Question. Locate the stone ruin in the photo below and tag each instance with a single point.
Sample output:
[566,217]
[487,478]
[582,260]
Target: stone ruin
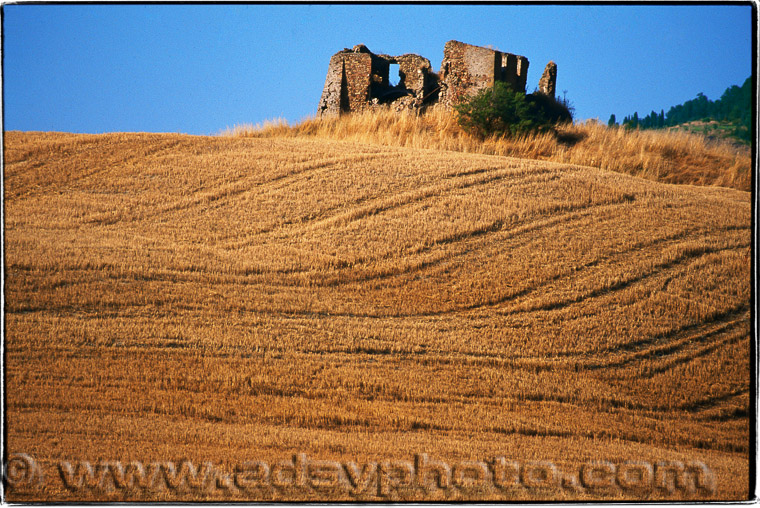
[358,80]
[548,83]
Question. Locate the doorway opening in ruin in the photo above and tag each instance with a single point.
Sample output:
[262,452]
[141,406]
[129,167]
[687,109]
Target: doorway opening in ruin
[394,75]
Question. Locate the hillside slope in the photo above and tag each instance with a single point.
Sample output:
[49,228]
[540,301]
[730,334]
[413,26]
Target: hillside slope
[233,299]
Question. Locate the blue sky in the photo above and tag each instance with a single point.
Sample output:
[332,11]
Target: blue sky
[198,69]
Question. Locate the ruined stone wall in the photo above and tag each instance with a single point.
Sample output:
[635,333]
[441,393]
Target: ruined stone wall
[522,73]
[509,69]
[548,83]
[415,73]
[332,100]
[357,68]
[357,79]
[466,69]
[514,71]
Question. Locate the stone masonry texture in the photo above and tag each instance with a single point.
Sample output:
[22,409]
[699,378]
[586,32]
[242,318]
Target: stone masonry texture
[357,79]
[548,83]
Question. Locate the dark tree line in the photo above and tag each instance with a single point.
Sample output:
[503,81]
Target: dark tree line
[734,106]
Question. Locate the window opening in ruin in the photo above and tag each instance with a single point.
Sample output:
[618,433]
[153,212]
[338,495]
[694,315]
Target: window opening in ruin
[394,75]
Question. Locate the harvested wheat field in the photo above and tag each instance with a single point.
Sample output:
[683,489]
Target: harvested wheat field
[233,318]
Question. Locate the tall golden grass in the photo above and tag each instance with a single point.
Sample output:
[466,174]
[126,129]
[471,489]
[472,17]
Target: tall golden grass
[663,156]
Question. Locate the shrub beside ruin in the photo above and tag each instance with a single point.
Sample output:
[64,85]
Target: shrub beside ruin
[502,111]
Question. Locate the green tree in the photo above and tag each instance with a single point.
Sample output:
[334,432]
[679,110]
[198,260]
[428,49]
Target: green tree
[635,120]
[612,121]
[502,111]
[701,107]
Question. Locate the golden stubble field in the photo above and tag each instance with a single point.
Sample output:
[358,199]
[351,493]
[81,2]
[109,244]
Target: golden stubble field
[264,306]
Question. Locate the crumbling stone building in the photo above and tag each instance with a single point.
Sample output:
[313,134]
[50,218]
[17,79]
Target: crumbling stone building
[466,69]
[358,80]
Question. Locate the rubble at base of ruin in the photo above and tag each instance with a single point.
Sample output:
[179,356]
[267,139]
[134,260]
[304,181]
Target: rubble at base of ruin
[358,80]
